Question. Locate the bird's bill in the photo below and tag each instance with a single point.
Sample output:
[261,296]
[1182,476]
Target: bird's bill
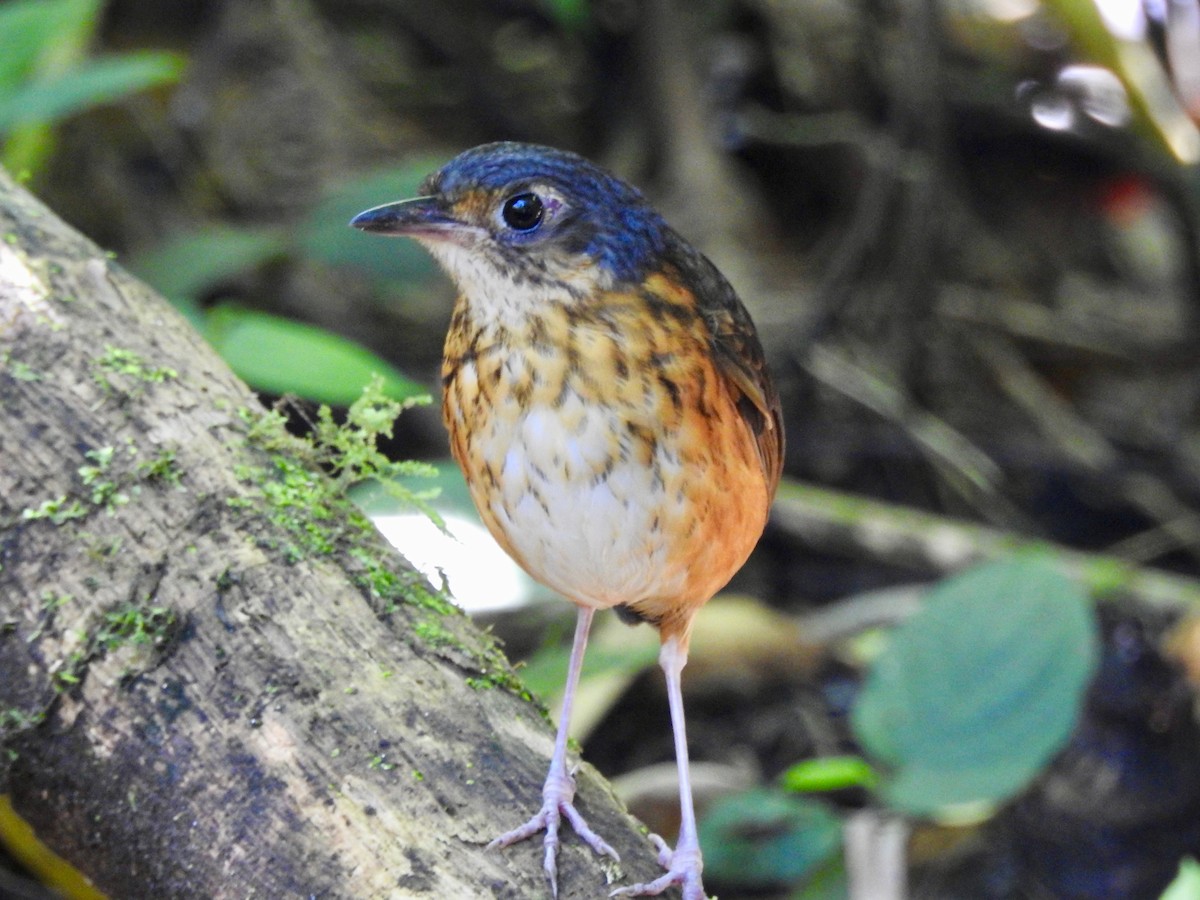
[421,217]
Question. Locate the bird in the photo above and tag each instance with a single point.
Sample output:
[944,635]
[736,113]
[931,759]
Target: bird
[609,402]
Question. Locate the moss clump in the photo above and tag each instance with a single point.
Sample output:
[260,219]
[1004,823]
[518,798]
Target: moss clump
[117,361]
[140,625]
[57,509]
[105,492]
[162,468]
[435,634]
[313,509]
[104,485]
[317,516]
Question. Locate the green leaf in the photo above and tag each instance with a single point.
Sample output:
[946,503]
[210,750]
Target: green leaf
[188,265]
[1186,885]
[762,839]
[543,672]
[280,356]
[30,30]
[828,773]
[977,691]
[90,84]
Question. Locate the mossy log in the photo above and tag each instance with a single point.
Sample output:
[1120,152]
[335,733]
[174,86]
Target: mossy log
[207,687]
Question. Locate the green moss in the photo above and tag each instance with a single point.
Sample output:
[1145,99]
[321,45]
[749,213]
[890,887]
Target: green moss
[24,372]
[105,492]
[126,624]
[225,580]
[104,486]
[380,762]
[435,634]
[127,363]
[13,720]
[52,600]
[392,587]
[318,519]
[501,677]
[132,623]
[163,467]
[313,509]
[58,510]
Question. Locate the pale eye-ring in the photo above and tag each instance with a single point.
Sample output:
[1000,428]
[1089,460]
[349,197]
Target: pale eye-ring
[523,212]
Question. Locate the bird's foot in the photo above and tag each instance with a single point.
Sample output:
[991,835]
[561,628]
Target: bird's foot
[683,865]
[558,795]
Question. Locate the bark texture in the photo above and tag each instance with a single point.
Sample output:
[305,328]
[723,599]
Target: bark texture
[206,687]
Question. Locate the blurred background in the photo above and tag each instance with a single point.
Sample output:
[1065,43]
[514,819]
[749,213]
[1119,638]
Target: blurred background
[967,231]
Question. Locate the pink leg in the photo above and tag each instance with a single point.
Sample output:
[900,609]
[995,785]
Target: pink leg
[559,789]
[683,864]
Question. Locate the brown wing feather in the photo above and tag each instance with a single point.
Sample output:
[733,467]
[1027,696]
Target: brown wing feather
[737,351]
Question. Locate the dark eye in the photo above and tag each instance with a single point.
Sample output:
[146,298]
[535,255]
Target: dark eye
[523,212]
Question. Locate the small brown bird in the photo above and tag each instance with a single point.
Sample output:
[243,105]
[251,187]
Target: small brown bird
[610,407]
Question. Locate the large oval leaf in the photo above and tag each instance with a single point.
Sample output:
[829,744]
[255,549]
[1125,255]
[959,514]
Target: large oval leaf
[976,692]
[31,30]
[279,356]
[187,265]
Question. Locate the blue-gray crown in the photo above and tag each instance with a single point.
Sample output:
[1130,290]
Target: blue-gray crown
[610,220]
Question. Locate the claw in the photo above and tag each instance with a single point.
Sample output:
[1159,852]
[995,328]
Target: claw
[557,796]
[683,866]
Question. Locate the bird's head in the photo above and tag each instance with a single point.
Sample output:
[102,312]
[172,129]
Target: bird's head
[511,218]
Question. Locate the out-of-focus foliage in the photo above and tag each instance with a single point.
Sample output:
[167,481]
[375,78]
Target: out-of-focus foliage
[543,672]
[764,838]
[1187,885]
[270,352]
[974,694]
[828,773]
[46,73]
[965,704]
[282,356]
[187,266]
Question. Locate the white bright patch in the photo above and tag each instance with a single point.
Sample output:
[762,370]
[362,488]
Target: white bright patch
[22,292]
[1126,19]
[480,574]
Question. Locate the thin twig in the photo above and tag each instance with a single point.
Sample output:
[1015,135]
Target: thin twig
[860,527]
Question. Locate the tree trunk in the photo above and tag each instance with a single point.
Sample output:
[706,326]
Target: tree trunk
[214,682]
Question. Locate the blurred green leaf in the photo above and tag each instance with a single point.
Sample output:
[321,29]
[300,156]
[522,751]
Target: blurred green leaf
[762,838]
[828,773]
[1186,885]
[543,673]
[31,29]
[325,236]
[91,83]
[828,882]
[280,356]
[187,266]
[570,14]
[977,691]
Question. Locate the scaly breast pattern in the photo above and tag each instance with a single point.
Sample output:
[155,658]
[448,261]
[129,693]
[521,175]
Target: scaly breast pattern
[605,451]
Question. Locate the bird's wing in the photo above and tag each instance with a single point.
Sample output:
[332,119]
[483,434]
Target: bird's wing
[738,354]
